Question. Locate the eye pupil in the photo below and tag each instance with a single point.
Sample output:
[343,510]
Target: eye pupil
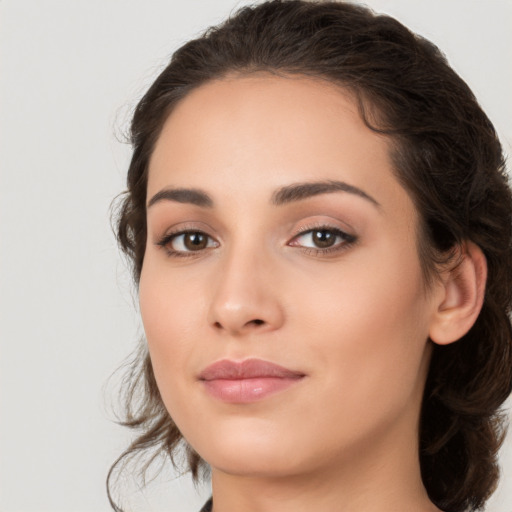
[195,241]
[324,238]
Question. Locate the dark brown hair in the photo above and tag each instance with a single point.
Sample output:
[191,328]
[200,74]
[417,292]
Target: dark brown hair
[446,155]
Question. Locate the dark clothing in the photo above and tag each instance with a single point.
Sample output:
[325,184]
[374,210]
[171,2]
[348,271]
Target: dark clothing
[207,506]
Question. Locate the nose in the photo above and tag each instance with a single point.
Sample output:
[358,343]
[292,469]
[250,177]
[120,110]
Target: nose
[245,299]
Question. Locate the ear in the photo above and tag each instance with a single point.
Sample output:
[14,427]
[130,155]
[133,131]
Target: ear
[460,297]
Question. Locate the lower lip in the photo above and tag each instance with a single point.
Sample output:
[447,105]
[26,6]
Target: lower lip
[243,391]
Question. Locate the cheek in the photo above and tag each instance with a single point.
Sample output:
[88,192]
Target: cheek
[369,291]
[370,322]
[169,311]
[168,304]
[169,326]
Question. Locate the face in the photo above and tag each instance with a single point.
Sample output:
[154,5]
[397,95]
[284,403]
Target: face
[281,291]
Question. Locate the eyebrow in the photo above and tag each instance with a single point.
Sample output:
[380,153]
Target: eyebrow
[182,195]
[282,196]
[300,191]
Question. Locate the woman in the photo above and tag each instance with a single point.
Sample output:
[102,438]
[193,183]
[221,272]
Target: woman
[319,223]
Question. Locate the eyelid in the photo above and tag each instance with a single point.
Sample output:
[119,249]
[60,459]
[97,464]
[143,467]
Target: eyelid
[346,235]
[313,224]
[348,239]
[182,229]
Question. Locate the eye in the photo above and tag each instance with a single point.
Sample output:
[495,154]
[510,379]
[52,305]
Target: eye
[186,242]
[323,239]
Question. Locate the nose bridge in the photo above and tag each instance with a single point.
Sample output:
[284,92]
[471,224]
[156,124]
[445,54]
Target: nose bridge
[244,298]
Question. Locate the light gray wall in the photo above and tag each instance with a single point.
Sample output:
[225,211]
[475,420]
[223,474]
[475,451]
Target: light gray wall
[69,73]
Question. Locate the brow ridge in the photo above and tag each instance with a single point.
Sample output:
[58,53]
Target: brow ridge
[282,196]
[305,190]
[182,195]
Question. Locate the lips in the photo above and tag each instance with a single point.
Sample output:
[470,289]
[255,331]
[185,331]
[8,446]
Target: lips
[247,381]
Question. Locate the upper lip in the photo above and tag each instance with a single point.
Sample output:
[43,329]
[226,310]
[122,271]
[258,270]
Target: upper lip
[247,369]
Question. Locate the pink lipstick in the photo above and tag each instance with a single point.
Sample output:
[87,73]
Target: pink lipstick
[246,381]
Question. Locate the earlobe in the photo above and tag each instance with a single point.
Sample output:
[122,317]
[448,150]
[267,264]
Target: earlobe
[461,296]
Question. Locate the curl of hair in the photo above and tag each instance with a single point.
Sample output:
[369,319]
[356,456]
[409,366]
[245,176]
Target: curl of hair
[446,155]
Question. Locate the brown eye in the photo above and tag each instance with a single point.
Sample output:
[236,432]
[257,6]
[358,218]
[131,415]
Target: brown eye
[323,238]
[186,242]
[195,241]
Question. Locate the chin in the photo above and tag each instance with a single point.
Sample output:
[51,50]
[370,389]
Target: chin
[254,465]
[250,452]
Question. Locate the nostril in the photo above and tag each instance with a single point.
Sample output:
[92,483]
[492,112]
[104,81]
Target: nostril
[251,323]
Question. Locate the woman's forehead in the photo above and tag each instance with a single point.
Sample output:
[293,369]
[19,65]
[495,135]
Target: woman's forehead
[276,128]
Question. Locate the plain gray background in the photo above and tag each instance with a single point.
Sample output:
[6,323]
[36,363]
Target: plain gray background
[70,72]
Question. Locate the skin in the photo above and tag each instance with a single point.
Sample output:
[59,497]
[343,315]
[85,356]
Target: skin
[355,321]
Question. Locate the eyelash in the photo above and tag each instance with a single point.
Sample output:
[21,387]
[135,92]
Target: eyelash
[347,241]
[166,240]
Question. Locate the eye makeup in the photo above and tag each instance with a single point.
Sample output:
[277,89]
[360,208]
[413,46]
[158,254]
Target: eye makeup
[322,240]
[315,240]
[186,243]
